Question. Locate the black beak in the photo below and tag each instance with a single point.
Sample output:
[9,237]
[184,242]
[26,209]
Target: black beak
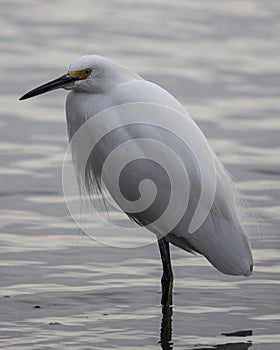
[60,82]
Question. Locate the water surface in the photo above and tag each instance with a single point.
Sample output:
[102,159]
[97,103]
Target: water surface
[60,289]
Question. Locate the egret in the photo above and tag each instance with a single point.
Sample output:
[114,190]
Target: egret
[98,84]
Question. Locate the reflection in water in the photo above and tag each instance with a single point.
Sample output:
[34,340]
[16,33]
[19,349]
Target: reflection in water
[166,329]
[166,335]
[229,346]
[243,333]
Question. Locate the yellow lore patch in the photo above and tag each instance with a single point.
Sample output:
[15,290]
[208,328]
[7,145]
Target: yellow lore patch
[81,74]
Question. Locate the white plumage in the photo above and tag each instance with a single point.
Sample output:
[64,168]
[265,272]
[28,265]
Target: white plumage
[98,84]
[221,238]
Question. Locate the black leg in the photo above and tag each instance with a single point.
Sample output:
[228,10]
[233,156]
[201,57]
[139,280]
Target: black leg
[167,277]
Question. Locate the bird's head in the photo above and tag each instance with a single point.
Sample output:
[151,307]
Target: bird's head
[91,73]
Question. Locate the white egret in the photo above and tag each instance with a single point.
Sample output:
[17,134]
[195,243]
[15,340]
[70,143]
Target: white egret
[98,84]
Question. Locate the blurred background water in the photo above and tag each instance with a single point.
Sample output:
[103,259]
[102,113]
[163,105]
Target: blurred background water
[61,290]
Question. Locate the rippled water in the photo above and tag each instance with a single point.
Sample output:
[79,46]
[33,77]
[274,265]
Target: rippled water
[61,290]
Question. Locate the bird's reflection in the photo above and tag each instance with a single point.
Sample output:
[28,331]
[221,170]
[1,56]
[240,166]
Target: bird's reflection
[166,329]
[166,336]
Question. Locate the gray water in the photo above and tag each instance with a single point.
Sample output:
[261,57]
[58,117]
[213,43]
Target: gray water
[61,290]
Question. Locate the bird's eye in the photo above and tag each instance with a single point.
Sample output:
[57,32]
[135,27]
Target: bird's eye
[87,72]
